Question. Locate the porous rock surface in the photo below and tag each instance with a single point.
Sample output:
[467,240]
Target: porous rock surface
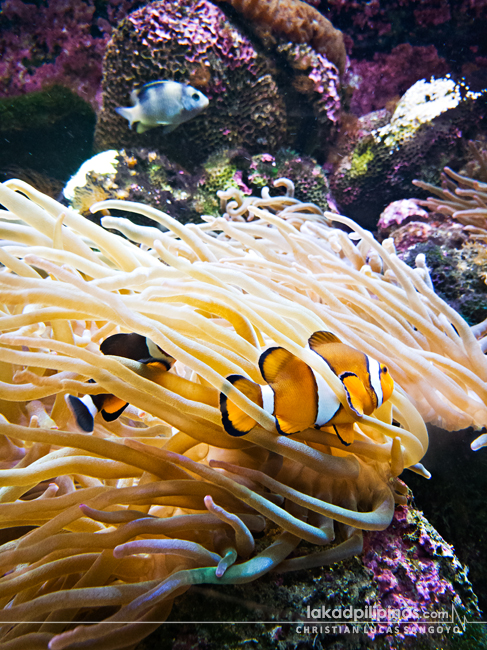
[408,566]
[428,130]
[259,99]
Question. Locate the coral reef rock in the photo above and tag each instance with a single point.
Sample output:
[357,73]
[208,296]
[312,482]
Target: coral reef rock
[140,175]
[388,75]
[453,26]
[257,100]
[407,567]
[426,131]
[457,263]
[149,177]
[63,45]
[250,174]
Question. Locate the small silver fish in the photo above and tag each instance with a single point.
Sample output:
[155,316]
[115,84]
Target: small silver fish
[163,102]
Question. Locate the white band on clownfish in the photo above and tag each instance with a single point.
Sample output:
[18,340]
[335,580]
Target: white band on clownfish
[374,370]
[88,402]
[153,349]
[158,354]
[268,399]
[328,402]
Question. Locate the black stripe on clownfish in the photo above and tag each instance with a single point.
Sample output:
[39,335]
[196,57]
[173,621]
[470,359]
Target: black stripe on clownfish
[300,398]
[130,346]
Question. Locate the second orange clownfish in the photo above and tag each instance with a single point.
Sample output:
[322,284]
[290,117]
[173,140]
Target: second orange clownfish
[130,346]
[299,398]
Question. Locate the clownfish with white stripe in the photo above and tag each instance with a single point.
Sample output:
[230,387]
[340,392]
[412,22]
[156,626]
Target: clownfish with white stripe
[130,346]
[299,398]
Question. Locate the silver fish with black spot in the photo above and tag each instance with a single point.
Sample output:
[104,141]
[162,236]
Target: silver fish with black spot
[166,103]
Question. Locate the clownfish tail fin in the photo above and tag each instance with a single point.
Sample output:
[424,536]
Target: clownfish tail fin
[235,421]
[110,406]
[84,411]
[85,408]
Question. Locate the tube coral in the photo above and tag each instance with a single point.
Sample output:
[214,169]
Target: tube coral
[131,515]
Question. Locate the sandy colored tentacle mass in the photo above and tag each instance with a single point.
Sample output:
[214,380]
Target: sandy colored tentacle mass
[162,498]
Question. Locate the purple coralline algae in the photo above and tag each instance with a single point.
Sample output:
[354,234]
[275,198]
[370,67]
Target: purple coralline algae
[317,80]
[399,213]
[415,569]
[374,25]
[409,224]
[447,236]
[451,234]
[394,43]
[251,103]
[389,74]
[56,42]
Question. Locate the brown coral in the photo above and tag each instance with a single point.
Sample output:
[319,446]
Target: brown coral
[297,21]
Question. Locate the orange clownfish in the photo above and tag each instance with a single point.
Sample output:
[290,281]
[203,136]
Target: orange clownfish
[299,398]
[130,346]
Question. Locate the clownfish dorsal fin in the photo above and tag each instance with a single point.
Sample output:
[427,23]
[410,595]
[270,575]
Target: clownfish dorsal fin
[235,421]
[274,364]
[322,338]
[357,395]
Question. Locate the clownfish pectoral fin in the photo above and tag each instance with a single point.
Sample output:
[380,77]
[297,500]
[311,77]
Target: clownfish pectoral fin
[318,339]
[84,411]
[286,428]
[357,396]
[345,433]
[235,421]
[138,348]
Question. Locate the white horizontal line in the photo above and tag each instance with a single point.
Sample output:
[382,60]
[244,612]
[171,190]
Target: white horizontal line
[307,623]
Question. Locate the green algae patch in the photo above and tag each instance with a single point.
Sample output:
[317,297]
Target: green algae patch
[40,109]
[360,162]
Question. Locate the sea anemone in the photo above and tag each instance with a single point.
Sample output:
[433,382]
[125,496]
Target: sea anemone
[462,197]
[113,525]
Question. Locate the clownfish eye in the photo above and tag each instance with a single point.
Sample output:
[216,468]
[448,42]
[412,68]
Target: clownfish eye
[384,369]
